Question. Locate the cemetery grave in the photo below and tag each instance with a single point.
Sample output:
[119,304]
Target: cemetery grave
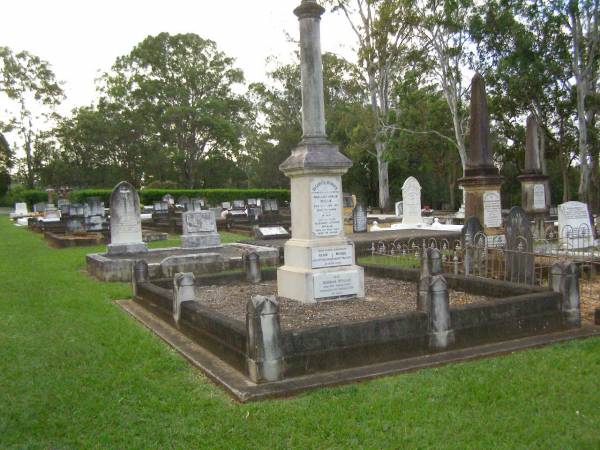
[200,251]
[261,332]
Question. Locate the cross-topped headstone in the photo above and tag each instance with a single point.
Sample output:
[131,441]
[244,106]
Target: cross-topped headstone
[125,221]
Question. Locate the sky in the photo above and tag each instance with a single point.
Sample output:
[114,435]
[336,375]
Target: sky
[81,39]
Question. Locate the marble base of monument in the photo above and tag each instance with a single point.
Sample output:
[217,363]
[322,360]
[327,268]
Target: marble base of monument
[482,200]
[319,271]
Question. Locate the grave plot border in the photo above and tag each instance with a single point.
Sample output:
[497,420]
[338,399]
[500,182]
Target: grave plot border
[337,353]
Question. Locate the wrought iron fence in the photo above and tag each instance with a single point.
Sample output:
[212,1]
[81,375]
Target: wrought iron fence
[527,261]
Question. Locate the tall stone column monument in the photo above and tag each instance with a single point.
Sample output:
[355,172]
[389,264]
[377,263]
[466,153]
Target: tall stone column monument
[535,185]
[481,181]
[319,259]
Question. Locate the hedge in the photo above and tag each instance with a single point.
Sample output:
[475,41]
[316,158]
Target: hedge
[31,197]
[148,196]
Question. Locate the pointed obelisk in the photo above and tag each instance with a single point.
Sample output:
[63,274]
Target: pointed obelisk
[319,259]
[535,185]
[482,182]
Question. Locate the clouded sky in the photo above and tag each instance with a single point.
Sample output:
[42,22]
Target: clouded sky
[81,38]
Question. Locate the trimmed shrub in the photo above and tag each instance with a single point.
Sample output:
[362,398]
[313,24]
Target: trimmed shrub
[20,194]
[148,196]
[212,196]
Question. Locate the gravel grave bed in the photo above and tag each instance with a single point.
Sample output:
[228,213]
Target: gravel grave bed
[384,297]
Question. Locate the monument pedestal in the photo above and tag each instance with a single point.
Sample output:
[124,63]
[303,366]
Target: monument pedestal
[482,200]
[320,269]
[535,199]
[319,259]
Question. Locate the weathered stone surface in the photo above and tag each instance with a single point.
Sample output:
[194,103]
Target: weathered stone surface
[199,230]
[565,281]
[183,291]
[442,335]
[479,155]
[470,230]
[359,219]
[125,221]
[251,263]
[519,245]
[265,354]
[533,157]
[197,263]
[574,225]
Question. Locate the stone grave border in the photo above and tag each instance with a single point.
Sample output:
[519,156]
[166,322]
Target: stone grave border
[521,317]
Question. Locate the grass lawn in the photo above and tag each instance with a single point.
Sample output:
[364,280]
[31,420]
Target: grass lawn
[77,372]
[175,241]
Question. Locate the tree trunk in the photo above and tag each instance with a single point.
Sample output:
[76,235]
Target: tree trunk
[564,171]
[384,182]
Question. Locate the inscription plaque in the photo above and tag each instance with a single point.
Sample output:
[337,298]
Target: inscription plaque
[492,212]
[332,256]
[335,284]
[326,206]
[539,196]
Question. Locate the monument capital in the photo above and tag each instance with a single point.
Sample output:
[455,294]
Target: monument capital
[309,9]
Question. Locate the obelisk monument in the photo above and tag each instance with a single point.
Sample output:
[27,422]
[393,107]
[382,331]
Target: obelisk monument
[535,184]
[481,181]
[319,259]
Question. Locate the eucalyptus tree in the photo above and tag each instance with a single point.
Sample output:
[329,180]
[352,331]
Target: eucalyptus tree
[32,94]
[524,53]
[384,32]
[581,18]
[443,29]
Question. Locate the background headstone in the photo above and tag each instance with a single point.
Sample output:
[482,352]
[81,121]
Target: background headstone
[199,230]
[519,247]
[399,209]
[185,203]
[574,225]
[169,199]
[359,219]
[411,202]
[470,230]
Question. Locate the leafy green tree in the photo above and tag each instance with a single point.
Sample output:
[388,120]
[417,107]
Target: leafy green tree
[183,88]
[443,29]
[33,93]
[524,53]
[279,129]
[6,163]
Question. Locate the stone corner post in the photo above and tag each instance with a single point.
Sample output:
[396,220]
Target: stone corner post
[565,280]
[251,264]
[139,274]
[264,346]
[183,291]
[441,334]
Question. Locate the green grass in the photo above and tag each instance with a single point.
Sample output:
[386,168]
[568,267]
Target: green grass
[77,372]
[175,241]
[406,261]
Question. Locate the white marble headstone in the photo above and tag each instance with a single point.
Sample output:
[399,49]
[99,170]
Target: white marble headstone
[125,220]
[574,225]
[411,202]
